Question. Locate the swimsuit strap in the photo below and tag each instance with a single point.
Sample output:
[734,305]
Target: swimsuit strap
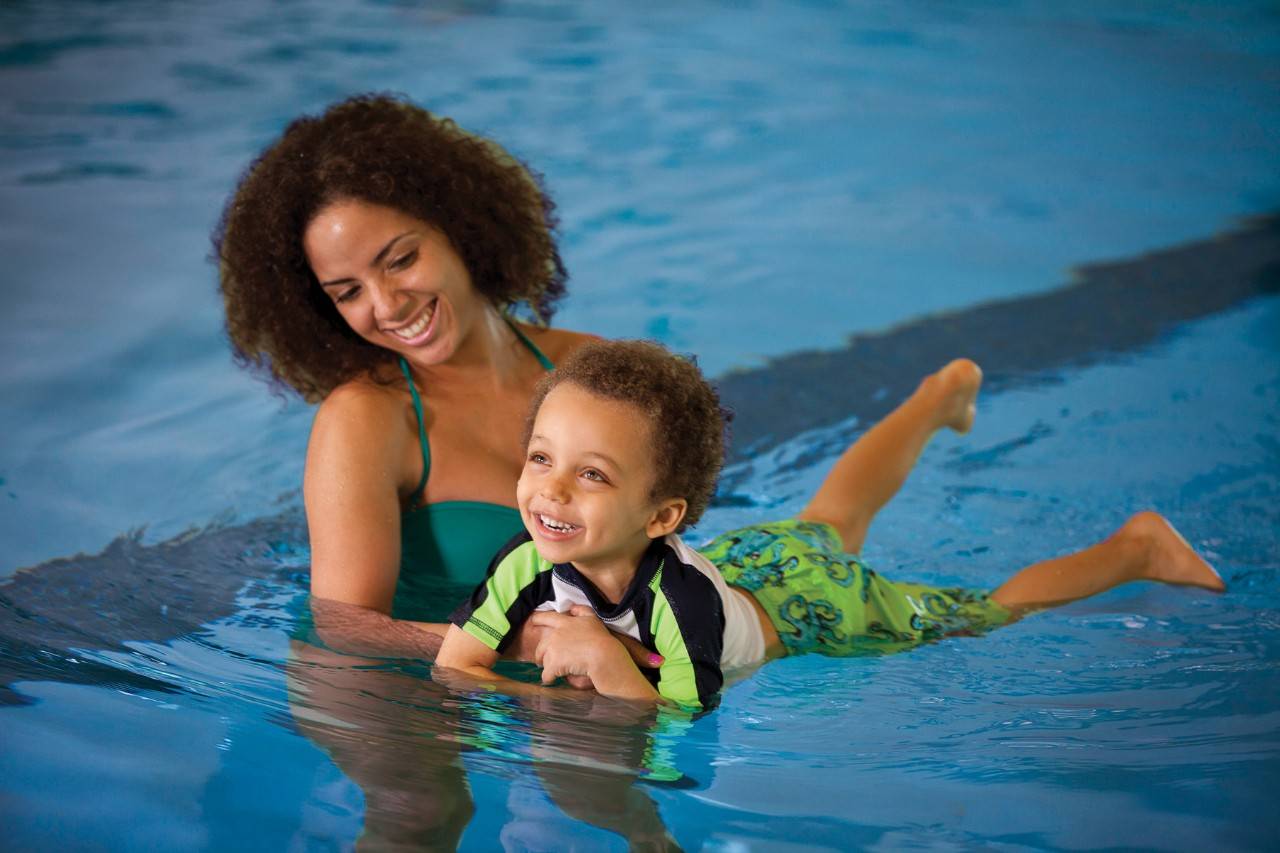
[422,431]
[417,405]
[546,363]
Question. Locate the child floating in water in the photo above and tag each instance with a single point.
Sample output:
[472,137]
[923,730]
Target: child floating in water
[624,447]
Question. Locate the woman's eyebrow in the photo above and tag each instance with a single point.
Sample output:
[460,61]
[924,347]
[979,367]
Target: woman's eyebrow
[381,256]
[377,259]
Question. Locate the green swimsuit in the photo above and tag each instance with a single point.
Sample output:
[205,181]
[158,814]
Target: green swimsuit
[448,545]
[821,599]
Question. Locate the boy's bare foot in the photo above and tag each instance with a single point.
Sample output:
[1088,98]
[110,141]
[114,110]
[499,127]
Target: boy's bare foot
[959,382]
[1171,559]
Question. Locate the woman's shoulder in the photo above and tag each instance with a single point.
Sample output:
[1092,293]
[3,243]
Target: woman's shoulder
[362,406]
[557,344]
[363,431]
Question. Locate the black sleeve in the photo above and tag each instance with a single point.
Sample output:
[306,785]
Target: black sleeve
[693,646]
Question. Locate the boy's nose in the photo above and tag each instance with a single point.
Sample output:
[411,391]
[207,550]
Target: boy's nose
[554,489]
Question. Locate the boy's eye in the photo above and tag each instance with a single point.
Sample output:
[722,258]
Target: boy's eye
[538,458]
[405,260]
[593,474]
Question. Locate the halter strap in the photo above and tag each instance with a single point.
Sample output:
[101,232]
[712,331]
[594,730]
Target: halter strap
[546,363]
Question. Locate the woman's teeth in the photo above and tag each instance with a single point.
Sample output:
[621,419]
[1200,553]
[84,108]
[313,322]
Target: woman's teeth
[558,526]
[408,333]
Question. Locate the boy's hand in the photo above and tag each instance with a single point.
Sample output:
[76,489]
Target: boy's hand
[575,644]
[544,623]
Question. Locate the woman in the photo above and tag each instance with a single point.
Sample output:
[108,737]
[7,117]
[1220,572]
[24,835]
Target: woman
[371,260]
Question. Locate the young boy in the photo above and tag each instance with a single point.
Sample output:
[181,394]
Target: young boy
[625,442]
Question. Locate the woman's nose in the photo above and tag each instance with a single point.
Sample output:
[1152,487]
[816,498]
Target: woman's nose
[388,303]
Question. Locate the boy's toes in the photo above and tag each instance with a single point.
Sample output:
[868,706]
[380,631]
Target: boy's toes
[961,380]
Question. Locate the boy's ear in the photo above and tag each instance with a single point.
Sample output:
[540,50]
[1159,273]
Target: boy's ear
[667,517]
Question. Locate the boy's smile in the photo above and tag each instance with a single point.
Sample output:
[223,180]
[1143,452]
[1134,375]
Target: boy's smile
[584,493]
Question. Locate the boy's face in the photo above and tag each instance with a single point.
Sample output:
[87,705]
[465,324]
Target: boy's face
[584,491]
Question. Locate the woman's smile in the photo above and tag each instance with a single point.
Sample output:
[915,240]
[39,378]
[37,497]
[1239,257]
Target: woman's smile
[419,330]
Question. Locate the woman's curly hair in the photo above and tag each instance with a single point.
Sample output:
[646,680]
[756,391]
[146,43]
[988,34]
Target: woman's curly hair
[686,420]
[383,150]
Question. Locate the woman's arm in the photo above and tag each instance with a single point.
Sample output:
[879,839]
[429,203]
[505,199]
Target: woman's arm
[354,477]
[354,630]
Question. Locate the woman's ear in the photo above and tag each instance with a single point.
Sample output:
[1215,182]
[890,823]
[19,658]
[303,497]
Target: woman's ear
[666,517]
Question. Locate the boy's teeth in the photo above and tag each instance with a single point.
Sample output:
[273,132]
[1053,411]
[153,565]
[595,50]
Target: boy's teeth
[562,526]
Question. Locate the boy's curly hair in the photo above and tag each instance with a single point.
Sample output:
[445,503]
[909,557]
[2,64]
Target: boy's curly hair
[383,150]
[685,418]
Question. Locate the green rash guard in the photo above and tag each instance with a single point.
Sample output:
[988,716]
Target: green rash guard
[675,606]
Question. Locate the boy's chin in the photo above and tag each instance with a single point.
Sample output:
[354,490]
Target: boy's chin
[556,551]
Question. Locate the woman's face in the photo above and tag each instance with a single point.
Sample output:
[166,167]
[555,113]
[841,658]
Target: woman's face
[395,279]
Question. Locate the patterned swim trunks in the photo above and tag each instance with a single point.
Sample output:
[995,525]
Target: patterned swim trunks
[821,599]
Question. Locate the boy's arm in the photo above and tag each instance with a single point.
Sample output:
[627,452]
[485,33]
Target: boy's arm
[465,663]
[464,653]
[690,636]
[615,674]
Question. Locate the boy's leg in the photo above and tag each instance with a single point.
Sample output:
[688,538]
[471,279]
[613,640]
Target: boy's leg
[1146,547]
[872,470]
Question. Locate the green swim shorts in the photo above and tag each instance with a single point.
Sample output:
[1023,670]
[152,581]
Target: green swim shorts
[821,599]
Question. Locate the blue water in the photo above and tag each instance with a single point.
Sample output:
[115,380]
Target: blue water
[739,180]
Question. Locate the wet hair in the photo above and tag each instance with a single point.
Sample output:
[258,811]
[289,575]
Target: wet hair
[686,422]
[382,150]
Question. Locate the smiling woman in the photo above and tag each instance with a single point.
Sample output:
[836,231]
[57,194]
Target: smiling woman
[371,260]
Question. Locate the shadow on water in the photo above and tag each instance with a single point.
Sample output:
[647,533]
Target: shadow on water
[135,592]
[1109,308]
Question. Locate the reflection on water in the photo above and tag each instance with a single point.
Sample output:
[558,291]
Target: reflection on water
[391,733]
[401,737]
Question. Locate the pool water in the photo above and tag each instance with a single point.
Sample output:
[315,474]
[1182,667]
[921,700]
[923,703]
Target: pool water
[850,169]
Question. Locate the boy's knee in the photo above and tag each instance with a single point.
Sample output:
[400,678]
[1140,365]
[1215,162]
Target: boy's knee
[852,531]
